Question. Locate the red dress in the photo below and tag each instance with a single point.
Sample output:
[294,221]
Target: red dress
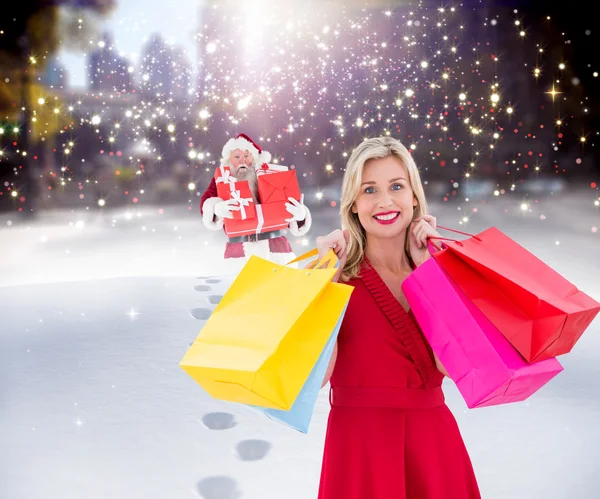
[390,435]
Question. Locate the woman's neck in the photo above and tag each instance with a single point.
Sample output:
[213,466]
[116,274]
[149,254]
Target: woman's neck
[388,254]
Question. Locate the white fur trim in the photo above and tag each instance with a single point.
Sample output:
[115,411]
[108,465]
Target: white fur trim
[208,214]
[261,249]
[264,157]
[301,231]
[283,259]
[235,265]
[242,144]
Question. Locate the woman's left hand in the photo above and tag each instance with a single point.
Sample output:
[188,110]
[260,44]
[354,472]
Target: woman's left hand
[421,229]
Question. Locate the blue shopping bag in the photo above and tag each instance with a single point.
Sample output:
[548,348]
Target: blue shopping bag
[300,414]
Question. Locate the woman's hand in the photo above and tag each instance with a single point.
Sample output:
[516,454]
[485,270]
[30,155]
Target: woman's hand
[338,241]
[420,230]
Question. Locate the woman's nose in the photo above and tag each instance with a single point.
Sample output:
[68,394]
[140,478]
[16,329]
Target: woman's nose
[385,200]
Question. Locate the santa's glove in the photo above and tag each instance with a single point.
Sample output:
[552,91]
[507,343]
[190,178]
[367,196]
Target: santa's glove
[224,209]
[300,213]
[296,209]
[215,210]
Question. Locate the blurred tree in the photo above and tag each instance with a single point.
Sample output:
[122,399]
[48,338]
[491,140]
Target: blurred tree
[30,33]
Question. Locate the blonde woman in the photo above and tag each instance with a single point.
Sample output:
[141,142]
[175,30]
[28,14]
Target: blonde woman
[390,435]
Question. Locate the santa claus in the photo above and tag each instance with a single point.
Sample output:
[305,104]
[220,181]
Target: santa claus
[242,155]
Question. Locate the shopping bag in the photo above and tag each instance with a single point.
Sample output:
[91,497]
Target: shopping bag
[268,331]
[300,415]
[535,308]
[486,368]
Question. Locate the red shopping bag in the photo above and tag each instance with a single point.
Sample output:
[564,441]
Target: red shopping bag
[538,311]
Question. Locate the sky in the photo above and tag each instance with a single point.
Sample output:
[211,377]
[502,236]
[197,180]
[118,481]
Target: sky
[132,22]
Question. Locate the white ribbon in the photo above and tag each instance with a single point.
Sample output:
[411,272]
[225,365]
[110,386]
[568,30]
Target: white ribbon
[226,177]
[261,218]
[271,169]
[242,202]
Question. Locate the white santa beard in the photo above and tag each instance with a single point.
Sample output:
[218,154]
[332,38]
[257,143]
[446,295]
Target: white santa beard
[253,184]
[250,176]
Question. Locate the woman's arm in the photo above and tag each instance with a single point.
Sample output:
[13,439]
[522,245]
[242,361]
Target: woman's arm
[338,241]
[330,366]
[440,367]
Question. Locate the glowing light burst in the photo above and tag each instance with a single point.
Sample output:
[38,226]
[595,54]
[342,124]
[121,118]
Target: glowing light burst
[436,78]
[132,314]
[553,92]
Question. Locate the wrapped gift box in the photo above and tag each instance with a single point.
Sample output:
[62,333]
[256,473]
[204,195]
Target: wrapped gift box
[268,218]
[275,185]
[225,182]
[228,187]
[267,168]
[243,196]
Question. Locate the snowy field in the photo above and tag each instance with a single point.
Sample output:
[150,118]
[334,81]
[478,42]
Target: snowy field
[97,309]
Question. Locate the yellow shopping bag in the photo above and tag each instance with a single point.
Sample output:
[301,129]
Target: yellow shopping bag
[263,339]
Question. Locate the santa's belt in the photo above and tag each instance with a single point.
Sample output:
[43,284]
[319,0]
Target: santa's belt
[252,238]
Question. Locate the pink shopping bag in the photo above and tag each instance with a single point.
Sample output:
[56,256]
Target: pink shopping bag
[485,367]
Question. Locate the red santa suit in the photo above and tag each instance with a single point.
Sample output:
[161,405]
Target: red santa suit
[272,246]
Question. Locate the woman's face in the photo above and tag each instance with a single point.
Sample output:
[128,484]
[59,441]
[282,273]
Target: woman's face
[386,202]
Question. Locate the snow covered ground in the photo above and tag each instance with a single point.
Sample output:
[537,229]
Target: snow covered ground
[97,309]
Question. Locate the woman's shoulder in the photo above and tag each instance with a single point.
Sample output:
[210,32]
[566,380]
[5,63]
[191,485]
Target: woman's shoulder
[352,281]
[357,278]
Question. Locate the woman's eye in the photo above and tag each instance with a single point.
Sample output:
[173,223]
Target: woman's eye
[369,190]
[396,187]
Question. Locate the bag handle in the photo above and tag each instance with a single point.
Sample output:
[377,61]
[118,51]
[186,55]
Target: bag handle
[434,248]
[457,232]
[330,259]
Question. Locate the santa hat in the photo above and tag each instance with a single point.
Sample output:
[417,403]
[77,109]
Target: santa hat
[245,143]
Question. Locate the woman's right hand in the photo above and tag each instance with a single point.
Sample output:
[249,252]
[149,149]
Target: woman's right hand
[338,241]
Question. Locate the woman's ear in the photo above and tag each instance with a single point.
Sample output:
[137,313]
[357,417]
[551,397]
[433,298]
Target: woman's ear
[354,209]
[415,202]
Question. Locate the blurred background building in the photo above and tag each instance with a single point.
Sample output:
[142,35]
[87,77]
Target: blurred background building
[494,93]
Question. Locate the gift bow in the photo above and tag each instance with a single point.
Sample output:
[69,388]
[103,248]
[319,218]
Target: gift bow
[242,202]
[226,177]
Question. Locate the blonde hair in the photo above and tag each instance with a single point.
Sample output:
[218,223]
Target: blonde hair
[375,148]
